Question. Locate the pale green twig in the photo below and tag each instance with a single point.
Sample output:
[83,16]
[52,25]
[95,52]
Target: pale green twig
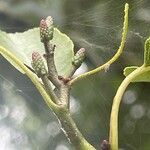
[113,137]
[49,89]
[116,56]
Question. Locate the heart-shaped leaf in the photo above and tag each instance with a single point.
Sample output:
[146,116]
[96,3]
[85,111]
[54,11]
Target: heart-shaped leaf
[145,77]
[23,44]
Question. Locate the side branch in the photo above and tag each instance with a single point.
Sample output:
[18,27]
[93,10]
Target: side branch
[49,89]
[65,95]
[46,35]
[49,56]
[116,56]
[113,135]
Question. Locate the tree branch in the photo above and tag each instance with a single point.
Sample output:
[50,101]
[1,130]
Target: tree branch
[115,57]
[62,113]
[65,95]
[49,56]
[46,35]
[49,89]
[71,131]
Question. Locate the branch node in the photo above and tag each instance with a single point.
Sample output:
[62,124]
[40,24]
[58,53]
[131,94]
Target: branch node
[64,80]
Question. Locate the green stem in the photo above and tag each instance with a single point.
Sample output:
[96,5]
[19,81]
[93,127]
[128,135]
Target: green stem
[65,95]
[71,131]
[53,75]
[116,56]
[49,89]
[113,137]
[62,113]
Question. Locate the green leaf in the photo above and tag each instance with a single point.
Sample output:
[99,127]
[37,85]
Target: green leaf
[147,52]
[23,44]
[145,77]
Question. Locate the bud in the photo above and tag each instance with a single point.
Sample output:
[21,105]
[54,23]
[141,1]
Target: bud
[79,57]
[38,64]
[46,29]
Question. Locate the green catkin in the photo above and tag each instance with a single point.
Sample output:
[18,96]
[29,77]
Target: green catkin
[46,29]
[38,64]
[79,57]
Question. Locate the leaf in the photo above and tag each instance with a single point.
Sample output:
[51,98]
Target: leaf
[147,52]
[23,44]
[145,77]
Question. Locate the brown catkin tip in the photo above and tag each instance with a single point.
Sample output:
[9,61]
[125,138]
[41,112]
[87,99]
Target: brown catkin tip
[35,56]
[46,29]
[49,21]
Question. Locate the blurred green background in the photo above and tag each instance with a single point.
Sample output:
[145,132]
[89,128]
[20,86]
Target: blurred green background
[26,123]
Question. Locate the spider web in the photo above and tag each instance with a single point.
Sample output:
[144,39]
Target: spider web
[97,27]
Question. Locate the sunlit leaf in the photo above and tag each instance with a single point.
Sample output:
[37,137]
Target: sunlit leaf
[145,77]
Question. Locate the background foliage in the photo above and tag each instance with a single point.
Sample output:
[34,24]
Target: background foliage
[26,122]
